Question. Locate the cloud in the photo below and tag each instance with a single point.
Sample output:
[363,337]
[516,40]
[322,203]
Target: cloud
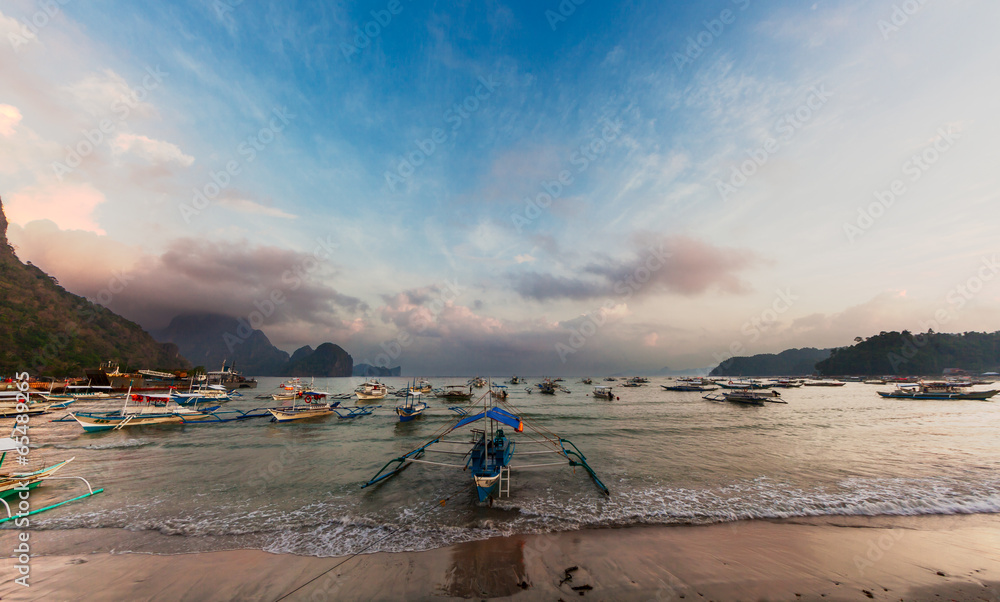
[154,151]
[69,206]
[526,258]
[100,93]
[9,118]
[679,265]
[192,276]
[247,206]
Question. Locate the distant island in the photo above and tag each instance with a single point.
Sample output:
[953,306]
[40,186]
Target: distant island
[791,362]
[211,339]
[886,354]
[908,354]
[367,370]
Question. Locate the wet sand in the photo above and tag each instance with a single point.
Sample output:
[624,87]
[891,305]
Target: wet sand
[830,558]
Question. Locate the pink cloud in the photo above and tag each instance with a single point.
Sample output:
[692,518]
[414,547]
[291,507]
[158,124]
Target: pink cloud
[69,206]
[9,118]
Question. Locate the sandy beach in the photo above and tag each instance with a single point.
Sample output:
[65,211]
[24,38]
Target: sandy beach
[912,558]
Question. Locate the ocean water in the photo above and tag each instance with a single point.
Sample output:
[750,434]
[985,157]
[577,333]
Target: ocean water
[668,458]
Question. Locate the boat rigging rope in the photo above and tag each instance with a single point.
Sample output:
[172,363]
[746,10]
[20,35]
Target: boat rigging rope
[443,501]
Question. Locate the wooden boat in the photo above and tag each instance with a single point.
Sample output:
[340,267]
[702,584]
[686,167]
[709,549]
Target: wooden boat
[489,457]
[147,410]
[587,381]
[411,408]
[691,386]
[10,406]
[824,383]
[746,397]
[938,390]
[498,391]
[301,412]
[371,390]
[455,393]
[13,483]
[478,382]
[604,392]
[744,384]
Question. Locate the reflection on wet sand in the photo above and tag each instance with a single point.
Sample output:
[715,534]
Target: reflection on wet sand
[487,569]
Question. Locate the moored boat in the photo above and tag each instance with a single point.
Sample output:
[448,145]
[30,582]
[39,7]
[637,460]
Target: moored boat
[938,390]
[455,393]
[603,392]
[371,390]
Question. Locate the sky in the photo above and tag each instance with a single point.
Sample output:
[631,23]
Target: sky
[512,187]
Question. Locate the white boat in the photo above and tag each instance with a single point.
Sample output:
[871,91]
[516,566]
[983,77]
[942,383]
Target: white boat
[604,392]
[302,412]
[371,390]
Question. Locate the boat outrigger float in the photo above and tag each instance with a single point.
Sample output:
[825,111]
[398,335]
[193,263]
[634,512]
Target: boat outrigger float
[489,451]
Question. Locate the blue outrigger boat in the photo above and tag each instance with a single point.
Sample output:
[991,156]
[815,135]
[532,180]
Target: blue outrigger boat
[491,452]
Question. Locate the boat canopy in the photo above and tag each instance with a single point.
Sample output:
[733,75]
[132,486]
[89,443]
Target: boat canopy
[498,414]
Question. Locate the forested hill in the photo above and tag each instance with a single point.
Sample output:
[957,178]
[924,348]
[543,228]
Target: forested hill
[791,362]
[907,354]
[44,329]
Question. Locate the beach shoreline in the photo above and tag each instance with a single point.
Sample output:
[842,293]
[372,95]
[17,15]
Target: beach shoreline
[821,558]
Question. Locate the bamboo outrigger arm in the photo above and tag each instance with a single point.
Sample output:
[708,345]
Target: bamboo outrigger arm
[401,463]
[582,461]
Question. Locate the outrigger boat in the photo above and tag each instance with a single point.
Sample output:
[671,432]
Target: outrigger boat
[371,390]
[455,393]
[751,398]
[313,408]
[411,408]
[938,390]
[12,483]
[691,384]
[489,457]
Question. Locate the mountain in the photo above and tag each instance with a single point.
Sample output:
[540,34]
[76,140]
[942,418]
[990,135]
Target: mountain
[301,352]
[791,362]
[209,339]
[906,354]
[367,370]
[46,330]
[327,360]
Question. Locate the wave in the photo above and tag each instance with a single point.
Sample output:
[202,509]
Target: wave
[336,528]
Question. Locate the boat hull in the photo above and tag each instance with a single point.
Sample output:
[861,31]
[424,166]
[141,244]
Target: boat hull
[975,396]
[93,423]
[292,415]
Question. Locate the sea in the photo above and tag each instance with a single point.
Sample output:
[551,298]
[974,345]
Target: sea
[669,458]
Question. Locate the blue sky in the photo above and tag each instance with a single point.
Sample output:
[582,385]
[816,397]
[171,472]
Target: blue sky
[702,175]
